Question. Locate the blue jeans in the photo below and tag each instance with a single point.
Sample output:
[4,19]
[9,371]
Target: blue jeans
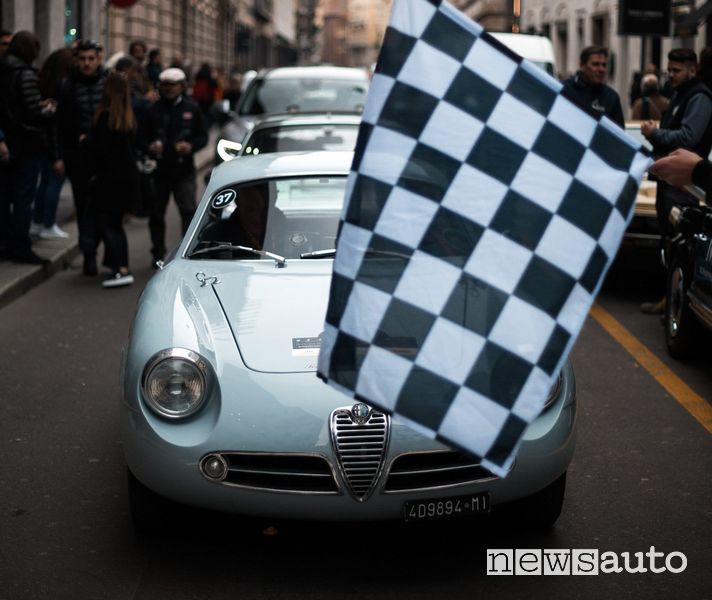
[47,198]
[22,174]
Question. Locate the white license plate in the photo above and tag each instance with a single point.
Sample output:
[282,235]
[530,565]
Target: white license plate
[446,508]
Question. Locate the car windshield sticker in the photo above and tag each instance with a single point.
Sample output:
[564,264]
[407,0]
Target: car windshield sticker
[306,346]
[223,198]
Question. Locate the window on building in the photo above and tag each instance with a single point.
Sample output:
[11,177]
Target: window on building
[562,46]
[599,33]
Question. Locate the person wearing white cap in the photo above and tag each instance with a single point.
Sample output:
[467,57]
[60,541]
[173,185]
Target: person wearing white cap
[174,132]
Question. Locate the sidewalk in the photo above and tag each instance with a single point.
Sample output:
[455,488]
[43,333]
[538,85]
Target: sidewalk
[18,279]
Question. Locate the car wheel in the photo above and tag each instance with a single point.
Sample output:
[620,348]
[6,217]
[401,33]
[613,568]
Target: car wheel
[680,326]
[538,511]
[149,511]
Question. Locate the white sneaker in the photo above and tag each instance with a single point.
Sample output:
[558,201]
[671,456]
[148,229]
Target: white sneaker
[35,228]
[52,233]
[118,280]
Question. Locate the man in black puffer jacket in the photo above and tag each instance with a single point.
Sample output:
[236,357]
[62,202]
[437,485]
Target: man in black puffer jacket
[588,87]
[78,101]
[23,121]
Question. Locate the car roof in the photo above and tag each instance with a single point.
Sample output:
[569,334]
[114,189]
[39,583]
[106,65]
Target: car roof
[320,118]
[316,72]
[279,164]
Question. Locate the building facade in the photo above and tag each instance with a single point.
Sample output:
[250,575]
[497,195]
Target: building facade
[494,15]
[574,24]
[229,34]
[367,22]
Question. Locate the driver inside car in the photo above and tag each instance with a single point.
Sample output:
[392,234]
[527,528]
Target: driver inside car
[247,222]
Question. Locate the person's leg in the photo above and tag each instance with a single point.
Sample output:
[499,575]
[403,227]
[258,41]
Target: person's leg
[157,218]
[121,246]
[23,174]
[184,194]
[86,227]
[104,233]
[5,212]
[115,238]
[41,195]
[54,189]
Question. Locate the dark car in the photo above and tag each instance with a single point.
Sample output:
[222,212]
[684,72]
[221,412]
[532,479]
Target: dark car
[689,284]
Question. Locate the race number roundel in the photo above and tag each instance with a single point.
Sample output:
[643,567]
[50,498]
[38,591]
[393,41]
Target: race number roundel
[224,198]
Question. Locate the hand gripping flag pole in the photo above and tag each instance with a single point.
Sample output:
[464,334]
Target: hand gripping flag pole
[482,211]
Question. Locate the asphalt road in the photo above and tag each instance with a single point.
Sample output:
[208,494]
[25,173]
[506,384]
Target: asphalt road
[640,478]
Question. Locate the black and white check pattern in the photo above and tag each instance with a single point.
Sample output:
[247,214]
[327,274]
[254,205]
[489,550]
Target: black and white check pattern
[482,211]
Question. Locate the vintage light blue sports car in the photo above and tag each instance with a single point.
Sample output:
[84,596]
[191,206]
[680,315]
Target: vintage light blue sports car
[221,404]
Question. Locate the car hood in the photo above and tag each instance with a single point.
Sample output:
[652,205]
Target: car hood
[277,315]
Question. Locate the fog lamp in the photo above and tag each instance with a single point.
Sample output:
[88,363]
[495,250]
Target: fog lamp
[214,467]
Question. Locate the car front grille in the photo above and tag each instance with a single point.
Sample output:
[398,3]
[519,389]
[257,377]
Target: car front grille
[287,472]
[432,470]
[360,448]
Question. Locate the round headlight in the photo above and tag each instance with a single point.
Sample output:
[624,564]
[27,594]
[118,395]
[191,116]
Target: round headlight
[175,383]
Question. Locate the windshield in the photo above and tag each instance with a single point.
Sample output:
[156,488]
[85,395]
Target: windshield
[302,137]
[268,96]
[286,217]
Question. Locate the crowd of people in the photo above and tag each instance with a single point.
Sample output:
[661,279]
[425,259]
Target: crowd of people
[100,124]
[97,124]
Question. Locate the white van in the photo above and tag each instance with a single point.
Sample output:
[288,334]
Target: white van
[537,48]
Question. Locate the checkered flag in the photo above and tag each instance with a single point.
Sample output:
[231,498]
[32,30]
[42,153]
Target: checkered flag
[482,211]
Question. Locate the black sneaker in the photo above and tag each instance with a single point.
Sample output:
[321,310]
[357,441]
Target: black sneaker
[29,258]
[118,280]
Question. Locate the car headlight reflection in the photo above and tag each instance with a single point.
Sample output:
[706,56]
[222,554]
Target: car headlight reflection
[175,383]
[553,393]
[227,149]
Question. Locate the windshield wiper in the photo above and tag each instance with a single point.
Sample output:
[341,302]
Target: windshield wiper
[319,253]
[218,246]
[372,251]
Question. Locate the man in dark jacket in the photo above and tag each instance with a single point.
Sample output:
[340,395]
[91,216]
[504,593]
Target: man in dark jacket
[588,86]
[685,124]
[78,101]
[174,132]
[23,121]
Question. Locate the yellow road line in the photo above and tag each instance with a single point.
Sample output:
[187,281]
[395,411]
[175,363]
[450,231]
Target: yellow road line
[693,403]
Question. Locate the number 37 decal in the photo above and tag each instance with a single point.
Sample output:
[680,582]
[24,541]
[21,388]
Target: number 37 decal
[223,198]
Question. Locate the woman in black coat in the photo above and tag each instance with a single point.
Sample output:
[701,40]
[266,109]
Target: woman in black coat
[111,150]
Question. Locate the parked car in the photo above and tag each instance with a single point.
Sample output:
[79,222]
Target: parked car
[221,405]
[280,133]
[688,309]
[537,48]
[296,90]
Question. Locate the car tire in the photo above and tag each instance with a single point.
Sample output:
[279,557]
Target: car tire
[681,328]
[538,511]
[149,511]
